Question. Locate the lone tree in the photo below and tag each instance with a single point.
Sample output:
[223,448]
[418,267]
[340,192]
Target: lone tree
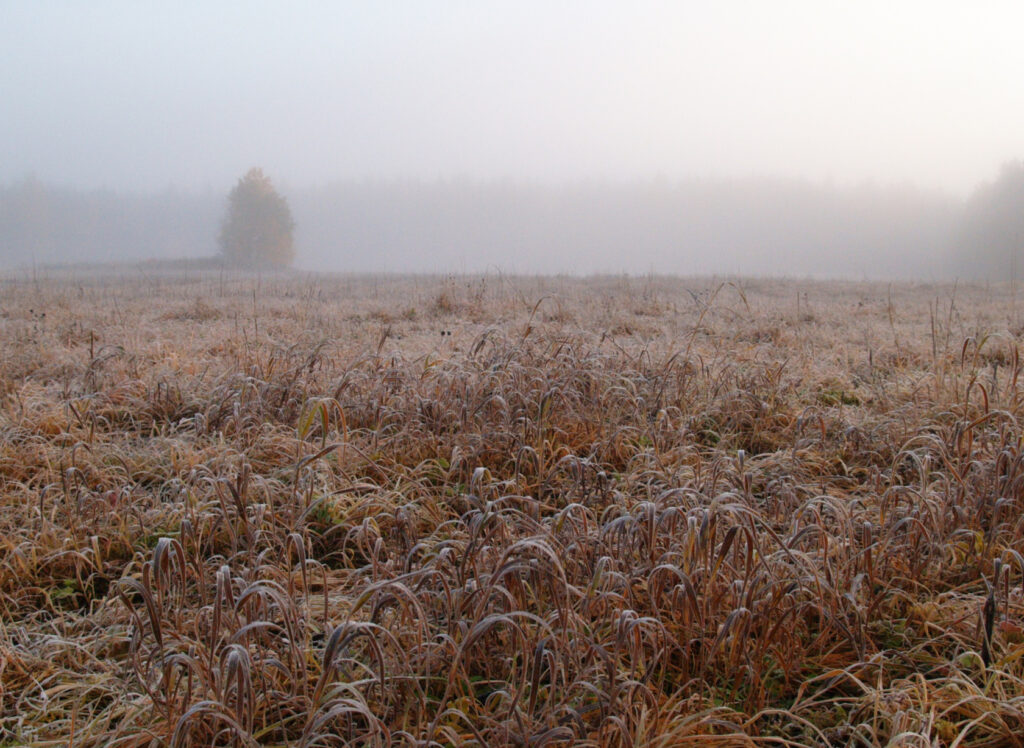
[257,229]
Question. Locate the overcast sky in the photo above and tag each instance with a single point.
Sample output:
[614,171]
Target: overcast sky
[146,95]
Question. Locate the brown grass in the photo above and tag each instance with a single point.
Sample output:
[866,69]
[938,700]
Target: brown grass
[509,511]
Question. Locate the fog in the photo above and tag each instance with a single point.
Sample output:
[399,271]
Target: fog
[746,227]
[781,138]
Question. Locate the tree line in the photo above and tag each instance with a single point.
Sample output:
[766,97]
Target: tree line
[753,226]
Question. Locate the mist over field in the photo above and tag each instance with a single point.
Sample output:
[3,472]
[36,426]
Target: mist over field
[793,139]
[511,373]
[770,227]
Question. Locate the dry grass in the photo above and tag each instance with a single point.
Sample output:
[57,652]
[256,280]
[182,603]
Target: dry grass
[494,511]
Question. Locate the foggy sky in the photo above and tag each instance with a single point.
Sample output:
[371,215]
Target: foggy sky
[138,95]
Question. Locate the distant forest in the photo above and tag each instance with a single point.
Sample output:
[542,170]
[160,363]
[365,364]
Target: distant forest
[752,226]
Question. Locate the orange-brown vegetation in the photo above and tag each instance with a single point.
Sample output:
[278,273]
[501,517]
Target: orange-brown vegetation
[509,511]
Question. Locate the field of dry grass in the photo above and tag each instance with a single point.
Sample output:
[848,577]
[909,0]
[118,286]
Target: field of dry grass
[509,511]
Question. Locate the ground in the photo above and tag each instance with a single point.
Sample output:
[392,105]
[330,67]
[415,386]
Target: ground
[304,510]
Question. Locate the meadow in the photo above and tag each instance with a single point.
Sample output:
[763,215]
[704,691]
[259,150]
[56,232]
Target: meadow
[617,511]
